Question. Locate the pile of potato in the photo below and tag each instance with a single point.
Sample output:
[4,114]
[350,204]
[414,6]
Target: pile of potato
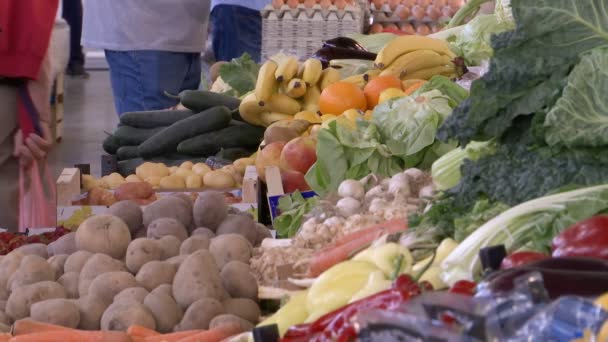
[190,271]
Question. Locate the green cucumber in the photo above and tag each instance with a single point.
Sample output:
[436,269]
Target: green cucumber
[110,146]
[167,139]
[199,100]
[131,136]
[234,153]
[154,118]
[127,152]
[240,135]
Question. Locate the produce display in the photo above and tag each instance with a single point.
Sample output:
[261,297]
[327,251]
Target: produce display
[411,16]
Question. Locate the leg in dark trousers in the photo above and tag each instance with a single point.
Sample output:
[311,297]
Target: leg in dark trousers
[72,13]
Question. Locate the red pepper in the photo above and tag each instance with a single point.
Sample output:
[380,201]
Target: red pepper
[464,287]
[521,258]
[588,238]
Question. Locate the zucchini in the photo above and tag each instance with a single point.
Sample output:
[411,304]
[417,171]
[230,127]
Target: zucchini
[131,136]
[234,153]
[109,145]
[154,118]
[127,152]
[167,139]
[199,100]
[241,135]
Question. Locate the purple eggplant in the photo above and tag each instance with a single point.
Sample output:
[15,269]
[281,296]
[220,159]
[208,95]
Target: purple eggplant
[327,54]
[344,42]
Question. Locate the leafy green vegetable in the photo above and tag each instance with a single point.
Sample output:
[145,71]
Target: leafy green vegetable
[580,116]
[293,208]
[447,87]
[240,74]
[483,211]
[530,66]
[446,170]
[531,224]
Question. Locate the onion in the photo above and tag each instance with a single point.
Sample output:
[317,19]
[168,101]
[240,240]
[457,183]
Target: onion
[377,205]
[376,191]
[426,192]
[414,174]
[348,206]
[351,188]
[399,184]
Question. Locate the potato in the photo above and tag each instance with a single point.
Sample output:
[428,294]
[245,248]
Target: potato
[133,179]
[56,311]
[262,233]
[193,244]
[32,269]
[70,282]
[229,247]
[90,308]
[186,199]
[136,294]
[173,170]
[238,280]
[9,264]
[3,305]
[103,234]
[148,169]
[241,164]
[38,249]
[142,251]
[243,307]
[185,173]
[172,182]
[210,209]
[197,277]
[231,170]
[96,265]
[3,293]
[224,319]
[165,310]
[168,207]
[154,181]
[119,316]
[218,179]
[169,245]
[164,289]
[200,314]
[140,233]
[64,245]
[114,180]
[22,298]
[128,211]
[156,273]
[204,232]
[133,191]
[4,319]
[177,260]
[108,285]
[167,226]
[201,169]
[88,182]
[186,165]
[194,182]
[57,262]
[239,224]
[76,261]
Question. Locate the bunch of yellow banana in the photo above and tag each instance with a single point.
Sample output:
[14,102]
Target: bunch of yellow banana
[416,57]
[284,88]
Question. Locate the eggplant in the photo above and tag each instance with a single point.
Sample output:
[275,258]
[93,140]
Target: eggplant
[344,42]
[561,276]
[326,54]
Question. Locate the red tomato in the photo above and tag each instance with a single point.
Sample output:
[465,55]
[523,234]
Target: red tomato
[521,258]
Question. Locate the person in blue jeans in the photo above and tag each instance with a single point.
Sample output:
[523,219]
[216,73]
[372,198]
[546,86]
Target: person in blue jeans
[152,47]
[237,28]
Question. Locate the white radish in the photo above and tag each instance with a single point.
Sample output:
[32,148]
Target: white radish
[348,206]
[351,188]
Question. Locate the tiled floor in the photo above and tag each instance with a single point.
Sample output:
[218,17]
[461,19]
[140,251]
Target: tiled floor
[89,112]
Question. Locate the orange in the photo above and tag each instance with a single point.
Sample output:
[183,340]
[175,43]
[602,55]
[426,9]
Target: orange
[412,88]
[375,87]
[340,97]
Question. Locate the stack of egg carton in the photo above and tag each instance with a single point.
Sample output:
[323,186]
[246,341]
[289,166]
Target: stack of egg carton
[301,31]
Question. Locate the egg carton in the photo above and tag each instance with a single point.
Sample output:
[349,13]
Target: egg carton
[385,14]
[301,31]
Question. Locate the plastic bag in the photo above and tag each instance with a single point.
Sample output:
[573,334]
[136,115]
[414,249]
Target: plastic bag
[37,205]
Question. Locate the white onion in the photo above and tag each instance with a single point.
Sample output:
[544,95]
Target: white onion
[399,184]
[376,191]
[351,188]
[348,206]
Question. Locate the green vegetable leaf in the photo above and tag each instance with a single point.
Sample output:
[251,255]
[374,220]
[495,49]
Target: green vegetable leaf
[455,93]
[580,116]
[240,74]
[293,207]
[483,211]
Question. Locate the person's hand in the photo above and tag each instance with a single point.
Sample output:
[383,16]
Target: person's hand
[33,147]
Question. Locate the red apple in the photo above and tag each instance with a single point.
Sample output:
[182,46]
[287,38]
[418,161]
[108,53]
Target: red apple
[270,155]
[293,180]
[299,154]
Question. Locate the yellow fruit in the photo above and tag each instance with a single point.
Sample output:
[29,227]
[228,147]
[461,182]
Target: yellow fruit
[390,93]
[602,301]
[270,117]
[328,117]
[369,115]
[329,76]
[287,69]
[311,99]
[426,74]
[603,334]
[266,81]
[295,88]
[353,114]
[312,71]
[250,110]
[405,44]
[280,103]
[308,115]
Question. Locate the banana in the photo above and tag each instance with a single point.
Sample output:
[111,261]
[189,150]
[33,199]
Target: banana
[371,74]
[250,110]
[295,88]
[309,116]
[329,76]
[281,103]
[427,73]
[287,69]
[269,117]
[404,44]
[311,99]
[312,71]
[414,61]
[266,83]
[360,80]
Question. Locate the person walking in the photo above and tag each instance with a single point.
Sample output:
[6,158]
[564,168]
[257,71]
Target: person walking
[72,13]
[237,28]
[151,46]
[25,89]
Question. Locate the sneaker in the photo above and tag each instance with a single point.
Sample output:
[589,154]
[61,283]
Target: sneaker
[77,71]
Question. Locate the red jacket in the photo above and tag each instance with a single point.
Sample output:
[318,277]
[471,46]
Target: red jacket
[25,31]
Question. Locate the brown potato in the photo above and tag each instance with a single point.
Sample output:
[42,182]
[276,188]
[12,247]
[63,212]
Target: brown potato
[243,307]
[197,277]
[200,314]
[229,247]
[133,191]
[142,251]
[239,281]
[57,311]
[156,273]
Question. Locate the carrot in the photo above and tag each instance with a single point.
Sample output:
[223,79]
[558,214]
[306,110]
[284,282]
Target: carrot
[409,90]
[172,337]
[344,247]
[140,331]
[215,334]
[29,326]
[73,335]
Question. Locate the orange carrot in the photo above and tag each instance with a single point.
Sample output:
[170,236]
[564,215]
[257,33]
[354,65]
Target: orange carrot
[215,334]
[343,249]
[140,331]
[172,337]
[73,335]
[29,326]
[414,87]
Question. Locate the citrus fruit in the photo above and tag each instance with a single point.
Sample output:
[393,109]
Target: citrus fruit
[376,86]
[340,97]
[390,93]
